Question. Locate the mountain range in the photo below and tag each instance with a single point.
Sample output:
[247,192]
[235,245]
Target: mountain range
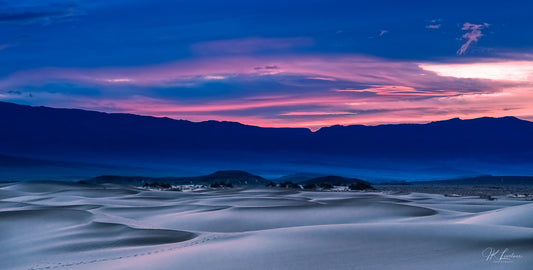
[126,144]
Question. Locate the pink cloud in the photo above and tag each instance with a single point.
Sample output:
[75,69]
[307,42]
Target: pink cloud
[322,110]
[154,106]
[350,68]
[473,35]
[387,91]
[317,113]
[329,108]
[498,70]
[396,90]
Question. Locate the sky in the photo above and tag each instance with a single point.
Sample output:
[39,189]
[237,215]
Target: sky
[271,63]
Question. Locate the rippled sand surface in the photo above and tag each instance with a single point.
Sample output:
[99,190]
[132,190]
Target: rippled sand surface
[52,225]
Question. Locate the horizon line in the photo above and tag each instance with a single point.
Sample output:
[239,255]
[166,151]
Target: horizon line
[261,126]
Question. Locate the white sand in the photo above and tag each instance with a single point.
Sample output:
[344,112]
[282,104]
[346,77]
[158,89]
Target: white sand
[69,226]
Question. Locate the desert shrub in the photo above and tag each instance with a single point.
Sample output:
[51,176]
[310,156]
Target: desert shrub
[157,185]
[360,186]
[289,184]
[221,185]
[325,185]
[488,197]
[309,186]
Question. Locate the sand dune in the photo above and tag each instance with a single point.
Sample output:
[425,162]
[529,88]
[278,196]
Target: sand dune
[521,216]
[53,225]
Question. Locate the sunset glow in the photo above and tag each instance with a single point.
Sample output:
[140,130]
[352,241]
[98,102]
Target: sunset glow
[336,73]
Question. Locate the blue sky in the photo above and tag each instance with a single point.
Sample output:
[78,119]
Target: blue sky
[275,63]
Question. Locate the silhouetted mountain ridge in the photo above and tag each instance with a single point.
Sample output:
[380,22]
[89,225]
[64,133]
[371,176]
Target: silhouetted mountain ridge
[109,138]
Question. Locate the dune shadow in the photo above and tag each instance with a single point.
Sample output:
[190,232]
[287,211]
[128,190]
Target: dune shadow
[99,235]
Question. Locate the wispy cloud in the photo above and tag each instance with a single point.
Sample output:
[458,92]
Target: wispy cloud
[434,24]
[380,34]
[396,90]
[28,12]
[472,35]
[317,113]
[515,71]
